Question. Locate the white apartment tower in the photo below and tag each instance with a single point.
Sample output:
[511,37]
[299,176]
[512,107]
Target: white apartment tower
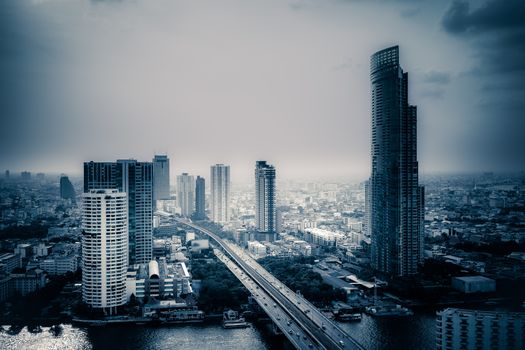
[104,248]
[186,194]
[220,193]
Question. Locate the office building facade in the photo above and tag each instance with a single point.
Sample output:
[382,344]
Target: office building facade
[161,178]
[200,198]
[136,180]
[395,222]
[458,329]
[186,194]
[220,193]
[104,248]
[67,191]
[265,209]
[368,214]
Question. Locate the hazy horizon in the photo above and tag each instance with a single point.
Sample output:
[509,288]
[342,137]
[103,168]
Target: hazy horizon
[234,82]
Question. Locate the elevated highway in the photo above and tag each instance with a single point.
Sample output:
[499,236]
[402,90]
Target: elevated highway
[305,326]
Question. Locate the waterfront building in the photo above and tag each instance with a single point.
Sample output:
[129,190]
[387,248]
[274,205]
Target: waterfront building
[186,194]
[158,279]
[200,198]
[475,329]
[25,175]
[395,223]
[67,191]
[220,193]
[104,248]
[161,178]
[265,210]
[136,180]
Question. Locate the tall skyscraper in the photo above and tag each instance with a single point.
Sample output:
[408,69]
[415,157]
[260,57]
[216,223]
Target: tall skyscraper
[186,194]
[200,198]
[161,177]
[136,180]
[220,193]
[395,194]
[368,214]
[265,197]
[67,191]
[104,248]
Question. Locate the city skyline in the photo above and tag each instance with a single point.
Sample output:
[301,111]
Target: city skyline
[462,88]
[323,174]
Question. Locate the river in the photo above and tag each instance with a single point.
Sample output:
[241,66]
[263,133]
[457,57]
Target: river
[416,332]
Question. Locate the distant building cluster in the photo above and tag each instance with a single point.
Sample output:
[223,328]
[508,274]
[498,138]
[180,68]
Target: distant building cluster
[126,237]
[26,268]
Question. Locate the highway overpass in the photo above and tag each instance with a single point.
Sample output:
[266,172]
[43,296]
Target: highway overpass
[302,323]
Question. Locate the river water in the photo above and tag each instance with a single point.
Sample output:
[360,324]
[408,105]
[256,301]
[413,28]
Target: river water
[416,332]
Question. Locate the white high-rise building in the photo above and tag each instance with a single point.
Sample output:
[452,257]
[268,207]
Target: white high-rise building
[475,329]
[104,248]
[186,194]
[220,193]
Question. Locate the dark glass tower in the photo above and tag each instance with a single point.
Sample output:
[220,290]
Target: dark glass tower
[265,197]
[67,191]
[136,180]
[396,198]
[200,199]
[161,177]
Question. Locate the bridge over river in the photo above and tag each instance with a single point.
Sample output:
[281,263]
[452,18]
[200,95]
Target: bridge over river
[302,323]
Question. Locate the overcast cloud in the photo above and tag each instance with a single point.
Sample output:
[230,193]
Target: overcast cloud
[235,81]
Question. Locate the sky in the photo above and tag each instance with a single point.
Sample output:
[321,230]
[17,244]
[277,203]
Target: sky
[235,81]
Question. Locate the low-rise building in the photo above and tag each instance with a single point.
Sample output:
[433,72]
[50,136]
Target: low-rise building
[198,245]
[27,282]
[59,264]
[40,250]
[9,262]
[474,284]
[322,237]
[25,250]
[257,249]
[158,279]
